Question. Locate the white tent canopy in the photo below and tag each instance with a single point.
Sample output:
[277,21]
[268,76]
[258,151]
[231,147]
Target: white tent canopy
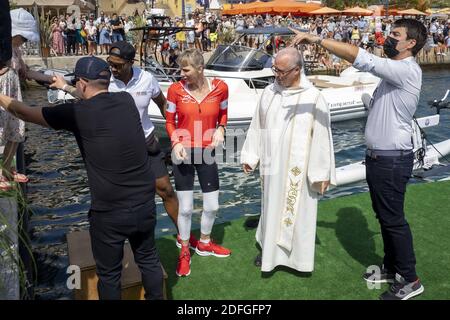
[215,5]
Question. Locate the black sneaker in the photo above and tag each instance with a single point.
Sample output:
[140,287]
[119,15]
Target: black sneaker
[379,275]
[258,260]
[402,290]
[252,223]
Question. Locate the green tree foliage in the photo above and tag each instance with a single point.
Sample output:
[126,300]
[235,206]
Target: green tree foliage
[12,5]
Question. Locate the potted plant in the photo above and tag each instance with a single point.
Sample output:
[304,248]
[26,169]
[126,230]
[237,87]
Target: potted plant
[136,36]
[14,277]
[45,34]
[225,36]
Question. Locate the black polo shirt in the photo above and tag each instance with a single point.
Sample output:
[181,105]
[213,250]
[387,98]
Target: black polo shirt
[109,134]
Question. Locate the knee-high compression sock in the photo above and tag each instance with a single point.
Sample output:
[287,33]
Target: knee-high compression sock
[210,208]
[185,208]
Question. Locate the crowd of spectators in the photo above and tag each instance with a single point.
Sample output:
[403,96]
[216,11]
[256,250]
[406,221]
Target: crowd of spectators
[89,34]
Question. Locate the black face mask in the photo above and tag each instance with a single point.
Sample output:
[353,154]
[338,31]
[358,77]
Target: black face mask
[389,47]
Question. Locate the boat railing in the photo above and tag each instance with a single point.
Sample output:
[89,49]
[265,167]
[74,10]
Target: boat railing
[440,104]
[165,74]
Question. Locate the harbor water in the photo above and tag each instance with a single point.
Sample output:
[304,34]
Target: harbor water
[58,193]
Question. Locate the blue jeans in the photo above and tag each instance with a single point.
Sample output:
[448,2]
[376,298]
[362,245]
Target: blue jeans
[116,37]
[387,177]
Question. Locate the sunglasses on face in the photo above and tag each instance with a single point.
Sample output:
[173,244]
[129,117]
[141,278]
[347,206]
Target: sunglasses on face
[116,66]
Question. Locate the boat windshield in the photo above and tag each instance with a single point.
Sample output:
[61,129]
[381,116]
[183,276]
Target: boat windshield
[238,58]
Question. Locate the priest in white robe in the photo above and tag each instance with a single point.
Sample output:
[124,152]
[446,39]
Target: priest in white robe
[290,139]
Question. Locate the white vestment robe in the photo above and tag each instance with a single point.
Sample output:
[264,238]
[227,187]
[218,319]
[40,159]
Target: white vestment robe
[290,139]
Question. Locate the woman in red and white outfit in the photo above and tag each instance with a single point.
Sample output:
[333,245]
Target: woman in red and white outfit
[200,106]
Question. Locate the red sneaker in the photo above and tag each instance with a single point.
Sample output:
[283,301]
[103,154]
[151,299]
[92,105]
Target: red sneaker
[211,249]
[184,262]
[192,242]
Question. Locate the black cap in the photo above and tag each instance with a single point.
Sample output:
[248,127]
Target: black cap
[91,68]
[122,49]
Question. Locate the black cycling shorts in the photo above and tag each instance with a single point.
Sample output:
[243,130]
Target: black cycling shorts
[206,167]
[157,157]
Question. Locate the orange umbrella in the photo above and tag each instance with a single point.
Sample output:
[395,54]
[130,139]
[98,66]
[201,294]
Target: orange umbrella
[357,11]
[226,6]
[251,7]
[235,9]
[265,7]
[411,12]
[276,6]
[286,6]
[325,11]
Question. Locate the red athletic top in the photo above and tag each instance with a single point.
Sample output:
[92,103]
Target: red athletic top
[197,121]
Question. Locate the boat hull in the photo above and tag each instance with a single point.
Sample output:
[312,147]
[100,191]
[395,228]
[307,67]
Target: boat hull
[355,172]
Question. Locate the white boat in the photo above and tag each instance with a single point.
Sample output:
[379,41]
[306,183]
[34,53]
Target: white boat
[353,172]
[247,71]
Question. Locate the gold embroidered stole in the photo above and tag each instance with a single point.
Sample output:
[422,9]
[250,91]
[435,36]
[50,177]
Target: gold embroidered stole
[298,151]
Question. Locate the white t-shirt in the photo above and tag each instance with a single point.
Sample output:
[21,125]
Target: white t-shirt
[433,28]
[143,87]
[128,25]
[190,24]
[99,20]
[91,30]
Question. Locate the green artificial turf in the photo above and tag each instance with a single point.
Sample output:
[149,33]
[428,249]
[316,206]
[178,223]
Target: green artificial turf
[348,240]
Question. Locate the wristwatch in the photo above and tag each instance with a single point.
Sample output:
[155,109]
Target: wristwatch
[319,41]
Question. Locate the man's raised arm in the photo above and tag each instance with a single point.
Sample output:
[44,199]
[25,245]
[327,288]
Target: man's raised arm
[386,69]
[22,111]
[342,50]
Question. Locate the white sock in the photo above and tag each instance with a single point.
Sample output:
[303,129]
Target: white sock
[210,208]
[185,209]
[205,240]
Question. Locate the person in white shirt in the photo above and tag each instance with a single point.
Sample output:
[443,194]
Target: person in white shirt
[143,87]
[433,27]
[389,156]
[331,25]
[101,19]
[91,32]
[296,163]
[190,35]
